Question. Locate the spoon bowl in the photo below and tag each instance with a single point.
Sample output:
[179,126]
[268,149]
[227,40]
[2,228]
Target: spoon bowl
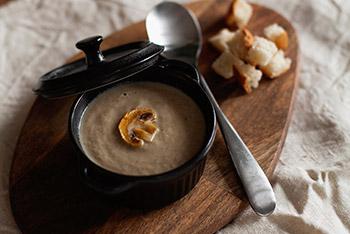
[165,26]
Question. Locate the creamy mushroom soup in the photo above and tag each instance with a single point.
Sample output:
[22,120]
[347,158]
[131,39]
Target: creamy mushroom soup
[142,128]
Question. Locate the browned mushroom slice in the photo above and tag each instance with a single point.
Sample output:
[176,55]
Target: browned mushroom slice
[138,126]
[143,134]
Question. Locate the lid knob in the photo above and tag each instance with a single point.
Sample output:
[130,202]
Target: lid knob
[91,48]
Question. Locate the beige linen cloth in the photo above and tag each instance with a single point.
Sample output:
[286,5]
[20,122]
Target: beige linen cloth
[313,175]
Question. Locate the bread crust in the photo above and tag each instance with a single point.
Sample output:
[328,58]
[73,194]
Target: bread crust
[282,41]
[278,35]
[239,14]
[248,38]
[245,83]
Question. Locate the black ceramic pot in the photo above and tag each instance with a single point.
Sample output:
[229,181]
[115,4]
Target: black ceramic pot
[144,191]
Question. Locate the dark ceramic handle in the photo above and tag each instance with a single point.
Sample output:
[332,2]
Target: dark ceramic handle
[95,185]
[91,48]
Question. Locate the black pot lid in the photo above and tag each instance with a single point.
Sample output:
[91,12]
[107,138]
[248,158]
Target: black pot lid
[97,69]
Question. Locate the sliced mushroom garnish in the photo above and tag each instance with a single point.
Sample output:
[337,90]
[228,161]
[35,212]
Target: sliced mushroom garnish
[138,126]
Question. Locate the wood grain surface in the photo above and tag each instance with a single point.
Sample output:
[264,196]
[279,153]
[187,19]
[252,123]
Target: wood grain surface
[47,196]
[3,2]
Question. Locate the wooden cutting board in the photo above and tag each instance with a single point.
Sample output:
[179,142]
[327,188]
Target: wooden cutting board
[45,192]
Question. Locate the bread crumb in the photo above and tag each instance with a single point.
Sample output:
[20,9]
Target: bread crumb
[278,35]
[219,40]
[240,13]
[241,42]
[261,51]
[278,65]
[223,65]
[249,76]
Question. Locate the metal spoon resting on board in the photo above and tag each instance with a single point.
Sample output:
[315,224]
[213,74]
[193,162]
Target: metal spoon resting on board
[178,30]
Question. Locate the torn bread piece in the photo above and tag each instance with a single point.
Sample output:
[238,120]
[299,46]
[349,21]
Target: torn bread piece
[223,65]
[261,51]
[278,65]
[240,13]
[241,42]
[249,76]
[219,41]
[278,35]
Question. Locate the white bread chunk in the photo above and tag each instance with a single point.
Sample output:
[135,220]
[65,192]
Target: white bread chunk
[223,65]
[261,51]
[249,76]
[278,65]
[240,43]
[240,13]
[278,35]
[219,41]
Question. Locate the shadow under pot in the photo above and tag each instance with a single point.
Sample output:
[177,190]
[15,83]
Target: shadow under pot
[142,126]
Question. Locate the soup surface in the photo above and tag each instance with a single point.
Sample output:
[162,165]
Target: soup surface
[180,122]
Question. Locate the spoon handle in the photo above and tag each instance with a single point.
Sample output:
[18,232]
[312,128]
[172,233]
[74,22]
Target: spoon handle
[255,183]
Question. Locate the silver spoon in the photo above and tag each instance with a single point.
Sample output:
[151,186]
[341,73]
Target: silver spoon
[178,30]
